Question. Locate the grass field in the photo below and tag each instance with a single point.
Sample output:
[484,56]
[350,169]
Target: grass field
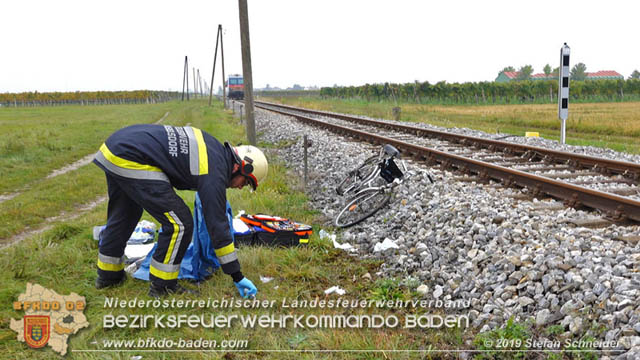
[611,125]
[63,258]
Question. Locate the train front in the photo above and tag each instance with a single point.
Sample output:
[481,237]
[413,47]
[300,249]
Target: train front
[236,87]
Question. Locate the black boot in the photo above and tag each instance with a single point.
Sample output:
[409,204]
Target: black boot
[156,290]
[104,283]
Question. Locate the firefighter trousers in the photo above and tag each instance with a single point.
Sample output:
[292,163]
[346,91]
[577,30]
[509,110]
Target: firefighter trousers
[127,199]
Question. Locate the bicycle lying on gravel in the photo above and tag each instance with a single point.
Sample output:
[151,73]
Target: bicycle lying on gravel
[369,187]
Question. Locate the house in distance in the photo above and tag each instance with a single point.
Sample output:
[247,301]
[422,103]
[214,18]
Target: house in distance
[507,76]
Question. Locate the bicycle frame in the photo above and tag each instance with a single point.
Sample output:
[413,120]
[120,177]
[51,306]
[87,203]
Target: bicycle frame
[387,152]
[364,197]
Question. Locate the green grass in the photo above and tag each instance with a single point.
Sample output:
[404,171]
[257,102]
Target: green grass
[35,141]
[387,289]
[63,259]
[512,337]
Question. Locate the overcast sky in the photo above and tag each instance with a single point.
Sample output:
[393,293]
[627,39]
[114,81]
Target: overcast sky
[140,44]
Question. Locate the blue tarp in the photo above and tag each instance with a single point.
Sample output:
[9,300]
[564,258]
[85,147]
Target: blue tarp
[200,260]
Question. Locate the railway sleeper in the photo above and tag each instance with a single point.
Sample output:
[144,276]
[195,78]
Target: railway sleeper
[547,206]
[570,175]
[622,191]
[631,239]
[590,222]
[510,162]
[601,169]
[631,175]
[573,202]
[619,180]
[530,168]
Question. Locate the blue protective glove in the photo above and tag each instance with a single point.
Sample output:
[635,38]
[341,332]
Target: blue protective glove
[246,288]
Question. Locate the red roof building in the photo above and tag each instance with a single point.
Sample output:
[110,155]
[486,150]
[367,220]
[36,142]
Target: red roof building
[507,76]
[604,74]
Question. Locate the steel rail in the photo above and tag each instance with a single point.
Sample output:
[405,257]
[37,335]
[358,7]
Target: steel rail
[617,207]
[627,169]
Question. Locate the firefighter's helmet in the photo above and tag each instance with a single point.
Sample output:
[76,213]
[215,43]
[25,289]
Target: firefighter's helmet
[253,164]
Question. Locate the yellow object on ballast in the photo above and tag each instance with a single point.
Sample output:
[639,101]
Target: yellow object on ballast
[531,134]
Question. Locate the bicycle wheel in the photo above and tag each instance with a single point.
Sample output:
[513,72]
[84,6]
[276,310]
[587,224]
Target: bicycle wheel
[362,206]
[354,178]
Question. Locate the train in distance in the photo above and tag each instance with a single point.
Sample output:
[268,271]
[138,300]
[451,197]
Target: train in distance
[235,87]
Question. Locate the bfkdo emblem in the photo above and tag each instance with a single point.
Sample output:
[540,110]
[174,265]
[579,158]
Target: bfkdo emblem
[36,330]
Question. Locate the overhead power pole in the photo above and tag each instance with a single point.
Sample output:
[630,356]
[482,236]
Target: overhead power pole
[224,91]
[195,85]
[185,77]
[246,71]
[213,72]
[215,56]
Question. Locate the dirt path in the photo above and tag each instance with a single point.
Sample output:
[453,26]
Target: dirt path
[65,169]
[70,167]
[49,222]
[162,118]
[9,196]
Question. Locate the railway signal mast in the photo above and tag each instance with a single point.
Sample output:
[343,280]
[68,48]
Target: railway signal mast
[563,91]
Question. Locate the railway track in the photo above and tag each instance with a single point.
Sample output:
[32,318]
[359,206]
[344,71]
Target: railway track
[608,186]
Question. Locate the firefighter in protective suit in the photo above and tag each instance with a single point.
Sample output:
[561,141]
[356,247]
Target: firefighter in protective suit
[143,164]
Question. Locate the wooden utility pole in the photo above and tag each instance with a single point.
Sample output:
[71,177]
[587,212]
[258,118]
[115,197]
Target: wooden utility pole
[185,77]
[246,70]
[195,86]
[215,56]
[224,91]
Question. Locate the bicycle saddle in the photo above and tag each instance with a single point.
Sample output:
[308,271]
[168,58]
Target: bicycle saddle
[390,150]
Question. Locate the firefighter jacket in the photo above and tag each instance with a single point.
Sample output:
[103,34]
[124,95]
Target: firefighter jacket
[189,159]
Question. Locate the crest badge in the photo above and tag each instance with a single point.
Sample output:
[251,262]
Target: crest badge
[36,330]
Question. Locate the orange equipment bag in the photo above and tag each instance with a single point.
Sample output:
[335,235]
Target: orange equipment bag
[273,231]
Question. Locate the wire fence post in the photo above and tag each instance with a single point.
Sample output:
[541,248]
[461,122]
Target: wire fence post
[306,144]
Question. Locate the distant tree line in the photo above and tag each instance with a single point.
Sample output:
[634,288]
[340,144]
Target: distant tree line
[86,98]
[578,72]
[525,91]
